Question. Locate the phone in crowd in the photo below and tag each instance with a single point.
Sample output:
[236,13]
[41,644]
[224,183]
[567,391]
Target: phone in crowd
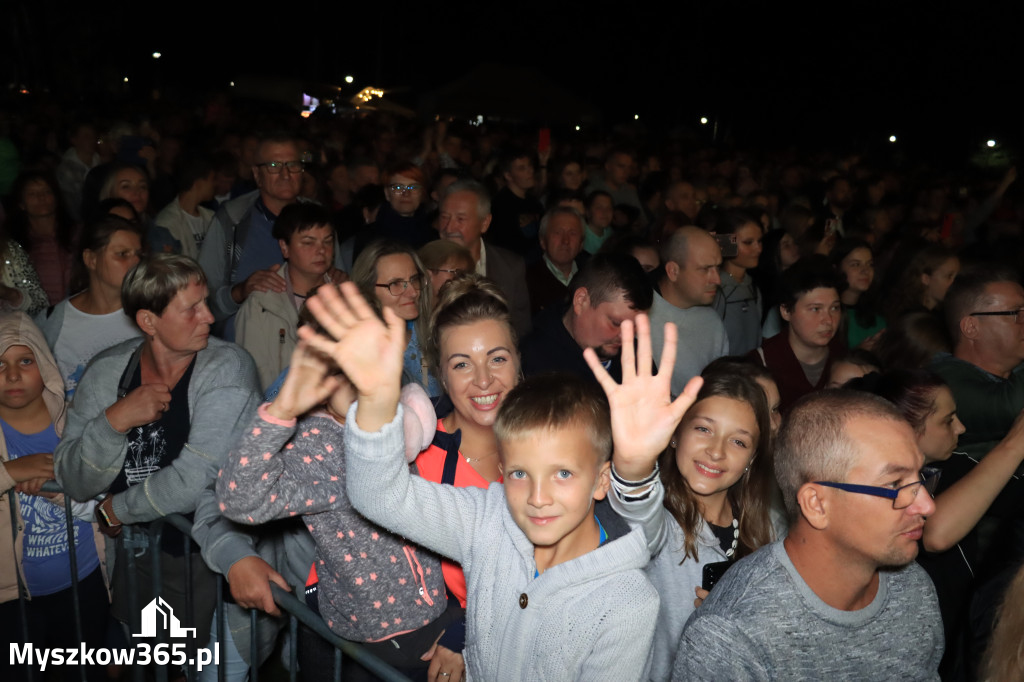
[713,572]
[727,242]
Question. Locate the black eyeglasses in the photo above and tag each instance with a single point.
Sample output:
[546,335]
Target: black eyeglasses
[275,167]
[901,497]
[404,189]
[1015,314]
[398,287]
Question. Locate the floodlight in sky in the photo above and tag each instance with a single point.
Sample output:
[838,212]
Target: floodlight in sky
[349,79]
[157,55]
[703,120]
[991,143]
[892,138]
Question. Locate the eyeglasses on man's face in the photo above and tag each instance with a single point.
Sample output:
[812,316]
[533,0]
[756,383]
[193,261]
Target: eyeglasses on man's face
[276,167]
[902,497]
[1018,318]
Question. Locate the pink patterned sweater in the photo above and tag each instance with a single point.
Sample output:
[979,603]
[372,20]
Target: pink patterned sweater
[373,584]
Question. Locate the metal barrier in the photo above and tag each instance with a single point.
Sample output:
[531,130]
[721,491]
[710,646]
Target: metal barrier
[151,538]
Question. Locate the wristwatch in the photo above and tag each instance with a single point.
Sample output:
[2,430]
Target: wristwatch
[103,516]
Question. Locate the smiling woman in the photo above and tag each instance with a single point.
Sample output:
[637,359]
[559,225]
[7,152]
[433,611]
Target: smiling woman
[473,349]
[716,474]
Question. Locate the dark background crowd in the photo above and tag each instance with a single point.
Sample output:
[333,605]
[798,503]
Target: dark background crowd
[884,160]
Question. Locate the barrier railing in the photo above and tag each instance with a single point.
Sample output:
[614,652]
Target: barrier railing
[150,540]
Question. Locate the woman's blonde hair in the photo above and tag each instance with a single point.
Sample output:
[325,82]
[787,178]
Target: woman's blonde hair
[465,300]
[1005,659]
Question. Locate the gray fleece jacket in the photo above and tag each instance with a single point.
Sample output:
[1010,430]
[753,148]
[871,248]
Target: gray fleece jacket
[222,396]
[591,618]
[671,573]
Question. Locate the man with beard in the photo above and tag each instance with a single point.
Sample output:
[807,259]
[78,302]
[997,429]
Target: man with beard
[610,288]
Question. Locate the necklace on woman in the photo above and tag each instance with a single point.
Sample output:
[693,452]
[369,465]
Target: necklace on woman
[470,460]
[735,539]
[722,533]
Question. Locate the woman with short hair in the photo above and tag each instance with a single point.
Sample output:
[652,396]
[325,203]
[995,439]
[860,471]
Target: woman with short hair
[150,426]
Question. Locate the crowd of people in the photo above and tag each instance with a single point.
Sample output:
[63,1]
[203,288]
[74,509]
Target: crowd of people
[502,406]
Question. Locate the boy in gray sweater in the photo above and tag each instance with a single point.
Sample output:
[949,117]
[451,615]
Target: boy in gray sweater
[552,593]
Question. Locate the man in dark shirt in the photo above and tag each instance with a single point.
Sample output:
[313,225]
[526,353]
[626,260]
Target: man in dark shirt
[515,210]
[608,289]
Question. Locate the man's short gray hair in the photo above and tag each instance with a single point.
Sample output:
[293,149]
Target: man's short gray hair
[813,444]
[556,211]
[483,197]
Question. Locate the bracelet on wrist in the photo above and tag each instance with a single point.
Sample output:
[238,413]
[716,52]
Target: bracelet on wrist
[647,480]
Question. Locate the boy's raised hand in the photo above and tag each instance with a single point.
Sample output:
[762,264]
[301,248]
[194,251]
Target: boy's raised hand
[644,416]
[367,350]
[307,385]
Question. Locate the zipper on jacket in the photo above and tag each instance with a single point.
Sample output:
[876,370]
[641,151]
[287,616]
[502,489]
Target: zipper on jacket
[417,572]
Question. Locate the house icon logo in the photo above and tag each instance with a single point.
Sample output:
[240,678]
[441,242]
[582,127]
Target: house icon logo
[159,614]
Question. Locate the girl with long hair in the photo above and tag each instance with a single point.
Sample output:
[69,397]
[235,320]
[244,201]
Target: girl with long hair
[716,475]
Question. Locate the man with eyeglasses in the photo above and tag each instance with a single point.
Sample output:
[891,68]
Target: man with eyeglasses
[240,255]
[985,316]
[985,373]
[840,598]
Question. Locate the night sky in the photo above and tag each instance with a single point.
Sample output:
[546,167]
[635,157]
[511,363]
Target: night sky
[831,73]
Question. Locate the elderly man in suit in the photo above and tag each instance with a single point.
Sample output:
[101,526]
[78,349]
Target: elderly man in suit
[464,218]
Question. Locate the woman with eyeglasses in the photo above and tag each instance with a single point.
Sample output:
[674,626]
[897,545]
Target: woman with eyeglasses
[389,274]
[444,260]
[404,216]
